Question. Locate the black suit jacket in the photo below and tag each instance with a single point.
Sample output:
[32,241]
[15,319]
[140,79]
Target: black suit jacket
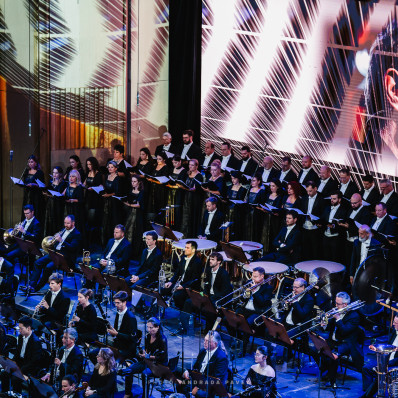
[290,176]
[217,366]
[121,255]
[318,207]
[35,232]
[373,197]
[216,222]
[250,168]
[222,284]
[341,214]
[392,204]
[57,312]
[292,248]
[363,217]
[149,267]
[386,227]
[126,339]
[351,189]
[194,152]
[30,363]
[374,248]
[173,149]
[233,162]
[261,298]
[347,329]
[330,186]
[71,246]
[214,157]
[311,176]
[73,364]
[274,173]
[302,309]
[193,274]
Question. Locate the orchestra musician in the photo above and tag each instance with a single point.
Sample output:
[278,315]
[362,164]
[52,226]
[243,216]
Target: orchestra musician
[187,275]
[212,360]
[260,380]
[28,356]
[102,383]
[54,305]
[69,359]
[67,243]
[211,222]
[344,331]
[84,319]
[155,349]
[217,284]
[124,330]
[68,386]
[7,269]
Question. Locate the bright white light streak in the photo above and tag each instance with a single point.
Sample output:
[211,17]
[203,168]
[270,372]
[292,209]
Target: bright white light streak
[275,19]
[316,43]
[222,31]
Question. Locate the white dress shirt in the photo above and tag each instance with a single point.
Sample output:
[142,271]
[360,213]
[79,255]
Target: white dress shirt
[224,161]
[66,353]
[308,225]
[366,192]
[113,248]
[250,304]
[352,216]
[209,220]
[206,359]
[24,344]
[266,174]
[395,343]
[121,315]
[343,187]
[187,260]
[333,210]
[378,221]
[213,278]
[322,184]
[166,147]
[289,228]
[283,175]
[364,249]
[207,160]
[244,164]
[27,223]
[185,150]
[150,251]
[304,174]
[63,237]
[385,198]
[53,297]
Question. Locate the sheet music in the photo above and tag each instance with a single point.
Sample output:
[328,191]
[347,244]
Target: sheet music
[98,189]
[127,164]
[40,184]
[17,181]
[55,193]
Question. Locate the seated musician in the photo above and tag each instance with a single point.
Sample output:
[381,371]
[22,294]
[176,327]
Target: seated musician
[85,318]
[212,221]
[30,229]
[68,385]
[117,249]
[28,356]
[55,305]
[7,270]
[124,330]
[102,383]
[365,245]
[369,376]
[155,348]
[67,243]
[68,361]
[187,275]
[212,360]
[150,262]
[260,381]
[287,242]
[217,285]
[343,331]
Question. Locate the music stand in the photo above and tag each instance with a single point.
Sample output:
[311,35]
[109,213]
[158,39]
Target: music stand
[234,252]
[116,284]
[160,371]
[164,231]
[59,261]
[237,321]
[30,249]
[277,330]
[11,368]
[156,295]
[93,274]
[213,384]
[43,388]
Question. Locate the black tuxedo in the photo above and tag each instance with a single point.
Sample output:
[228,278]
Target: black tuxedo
[274,173]
[30,363]
[213,157]
[73,364]
[302,309]
[217,366]
[290,176]
[317,209]
[373,198]
[194,152]
[71,246]
[386,227]
[290,252]
[56,312]
[350,190]
[222,284]
[363,217]
[374,248]
[216,222]
[392,204]
[174,149]
[148,269]
[233,162]
[192,275]
[34,232]
[311,176]
[126,340]
[121,255]
[261,299]
[330,186]
[251,167]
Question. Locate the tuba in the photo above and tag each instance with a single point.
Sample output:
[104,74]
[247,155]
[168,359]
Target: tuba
[49,241]
[9,234]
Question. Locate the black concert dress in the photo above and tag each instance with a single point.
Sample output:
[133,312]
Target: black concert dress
[135,222]
[112,210]
[235,212]
[105,385]
[267,385]
[158,194]
[76,208]
[33,195]
[272,222]
[54,218]
[80,170]
[254,217]
[86,327]
[192,202]
[93,207]
[175,197]
[146,168]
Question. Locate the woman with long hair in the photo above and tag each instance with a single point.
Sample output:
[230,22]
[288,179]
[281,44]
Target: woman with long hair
[54,216]
[236,192]
[74,164]
[32,192]
[85,317]
[144,162]
[74,199]
[292,199]
[134,211]
[102,383]
[155,349]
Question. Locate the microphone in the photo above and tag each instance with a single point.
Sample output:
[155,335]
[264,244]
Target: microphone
[11,155]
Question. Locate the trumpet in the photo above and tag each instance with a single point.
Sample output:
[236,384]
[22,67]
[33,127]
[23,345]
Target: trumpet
[9,234]
[49,241]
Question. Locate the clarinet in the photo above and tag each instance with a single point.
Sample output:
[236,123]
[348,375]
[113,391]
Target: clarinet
[55,372]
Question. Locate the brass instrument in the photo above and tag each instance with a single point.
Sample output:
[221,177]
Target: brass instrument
[86,259]
[9,234]
[290,300]
[49,241]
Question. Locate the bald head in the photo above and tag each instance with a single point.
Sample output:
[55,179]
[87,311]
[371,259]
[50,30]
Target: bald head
[268,162]
[356,201]
[325,172]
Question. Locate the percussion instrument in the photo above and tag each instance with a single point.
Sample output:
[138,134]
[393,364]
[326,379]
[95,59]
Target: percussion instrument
[205,248]
[372,271]
[306,267]
[269,267]
[233,268]
[392,382]
[165,246]
[250,247]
